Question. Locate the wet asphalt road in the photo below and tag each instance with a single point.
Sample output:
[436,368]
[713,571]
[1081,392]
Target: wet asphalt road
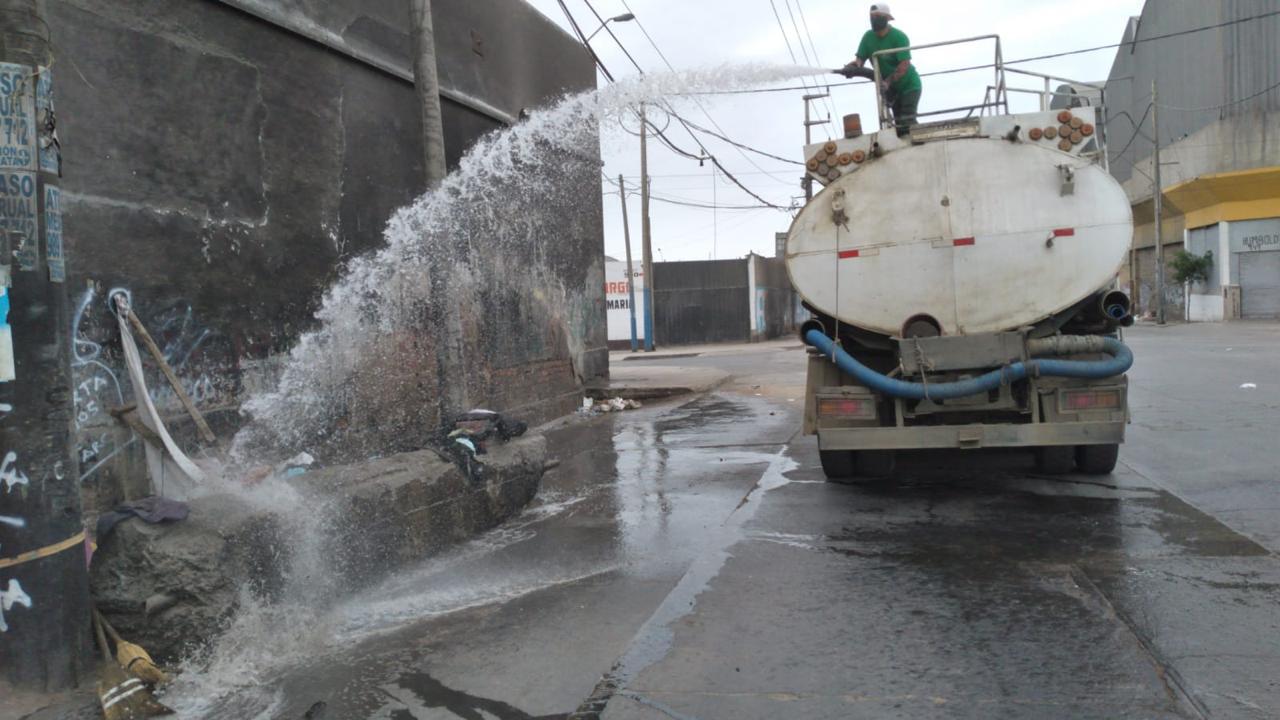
[688,561]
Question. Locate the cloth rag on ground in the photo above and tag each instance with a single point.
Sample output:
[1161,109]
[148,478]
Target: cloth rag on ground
[154,509]
[467,436]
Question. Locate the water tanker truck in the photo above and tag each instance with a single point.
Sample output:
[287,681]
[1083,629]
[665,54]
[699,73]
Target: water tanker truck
[960,281]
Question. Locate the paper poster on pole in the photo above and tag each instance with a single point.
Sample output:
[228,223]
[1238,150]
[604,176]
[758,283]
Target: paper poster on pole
[53,234]
[18,219]
[17,118]
[49,151]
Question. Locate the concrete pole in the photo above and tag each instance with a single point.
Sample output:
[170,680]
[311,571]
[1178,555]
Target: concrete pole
[645,239]
[1158,197]
[44,584]
[428,86]
[631,276]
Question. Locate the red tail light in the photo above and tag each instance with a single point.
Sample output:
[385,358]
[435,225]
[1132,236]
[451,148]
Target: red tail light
[847,408]
[1080,400]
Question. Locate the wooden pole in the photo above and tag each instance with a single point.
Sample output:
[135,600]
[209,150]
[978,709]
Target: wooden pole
[205,431]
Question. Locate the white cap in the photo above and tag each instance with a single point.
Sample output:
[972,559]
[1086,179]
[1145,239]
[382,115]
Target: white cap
[881,9]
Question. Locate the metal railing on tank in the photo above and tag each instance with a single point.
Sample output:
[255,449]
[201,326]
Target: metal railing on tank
[991,102]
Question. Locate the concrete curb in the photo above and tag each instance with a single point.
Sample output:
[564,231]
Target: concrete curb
[654,383]
[172,587]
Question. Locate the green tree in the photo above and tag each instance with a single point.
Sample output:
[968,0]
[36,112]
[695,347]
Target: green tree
[1189,267]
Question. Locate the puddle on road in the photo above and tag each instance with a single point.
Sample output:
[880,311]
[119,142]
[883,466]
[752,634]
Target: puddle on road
[655,638]
[417,692]
[625,501]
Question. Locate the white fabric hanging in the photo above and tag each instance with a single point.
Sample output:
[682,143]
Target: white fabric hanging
[174,475]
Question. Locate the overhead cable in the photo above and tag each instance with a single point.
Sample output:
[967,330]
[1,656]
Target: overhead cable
[715,161]
[705,112]
[1019,61]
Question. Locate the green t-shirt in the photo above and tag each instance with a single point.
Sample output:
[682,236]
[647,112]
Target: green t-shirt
[895,38]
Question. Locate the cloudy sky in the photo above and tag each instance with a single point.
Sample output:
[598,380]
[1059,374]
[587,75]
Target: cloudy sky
[824,33]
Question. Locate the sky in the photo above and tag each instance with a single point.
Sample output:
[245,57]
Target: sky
[696,34]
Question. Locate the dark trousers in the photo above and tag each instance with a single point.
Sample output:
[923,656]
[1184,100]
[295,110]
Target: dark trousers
[905,106]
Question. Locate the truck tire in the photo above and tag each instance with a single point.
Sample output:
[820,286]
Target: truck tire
[874,463]
[1055,459]
[1097,459]
[837,465]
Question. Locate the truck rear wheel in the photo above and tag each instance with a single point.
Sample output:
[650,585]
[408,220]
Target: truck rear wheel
[1055,459]
[837,465]
[874,463]
[1097,459]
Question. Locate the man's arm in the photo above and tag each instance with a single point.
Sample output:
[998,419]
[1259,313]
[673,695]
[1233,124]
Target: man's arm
[898,72]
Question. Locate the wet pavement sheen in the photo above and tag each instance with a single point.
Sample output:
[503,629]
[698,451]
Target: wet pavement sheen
[687,560]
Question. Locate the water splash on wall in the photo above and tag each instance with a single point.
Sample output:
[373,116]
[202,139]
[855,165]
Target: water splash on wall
[408,332]
[401,336]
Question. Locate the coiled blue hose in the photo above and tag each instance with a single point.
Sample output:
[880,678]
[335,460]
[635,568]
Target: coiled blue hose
[1121,360]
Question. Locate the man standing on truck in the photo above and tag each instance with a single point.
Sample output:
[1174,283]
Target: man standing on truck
[900,83]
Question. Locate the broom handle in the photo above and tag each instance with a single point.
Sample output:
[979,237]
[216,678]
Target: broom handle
[102,639]
[107,626]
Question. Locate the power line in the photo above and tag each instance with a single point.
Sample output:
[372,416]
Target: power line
[737,144]
[812,62]
[644,31]
[1036,58]
[791,51]
[578,31]
[1137,130]
[687,202]
[787,39]
[1223,106]
[816,61]
[660,134]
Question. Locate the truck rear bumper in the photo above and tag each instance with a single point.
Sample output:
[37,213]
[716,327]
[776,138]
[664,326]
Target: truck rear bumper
[971,436]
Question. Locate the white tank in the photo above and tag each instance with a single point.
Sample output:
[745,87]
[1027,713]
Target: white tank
[975,231]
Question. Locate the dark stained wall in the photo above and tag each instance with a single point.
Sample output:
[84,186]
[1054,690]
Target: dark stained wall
[225,160]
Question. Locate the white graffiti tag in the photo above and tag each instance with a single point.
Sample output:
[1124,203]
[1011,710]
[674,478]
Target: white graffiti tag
[9,598]
[10,475]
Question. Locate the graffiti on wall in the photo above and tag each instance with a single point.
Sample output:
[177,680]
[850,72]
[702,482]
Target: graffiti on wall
[96,390]
[203,358]
[10,597]
[11,477]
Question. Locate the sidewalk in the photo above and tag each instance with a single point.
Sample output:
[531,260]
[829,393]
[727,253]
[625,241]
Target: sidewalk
[681,351]
[644,381]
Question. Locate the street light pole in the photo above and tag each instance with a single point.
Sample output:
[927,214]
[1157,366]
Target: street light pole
[624,17]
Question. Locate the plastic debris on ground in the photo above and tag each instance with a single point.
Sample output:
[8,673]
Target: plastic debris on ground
[591,407]
[1249,386]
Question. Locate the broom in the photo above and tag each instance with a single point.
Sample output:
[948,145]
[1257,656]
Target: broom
[123,696]
[133,657]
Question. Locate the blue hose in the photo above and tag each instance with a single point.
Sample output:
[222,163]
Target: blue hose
[1121,360]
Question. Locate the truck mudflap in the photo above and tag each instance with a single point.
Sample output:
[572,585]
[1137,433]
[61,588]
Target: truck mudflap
[972,436]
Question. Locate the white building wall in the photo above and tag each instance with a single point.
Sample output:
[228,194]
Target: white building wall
[617,300]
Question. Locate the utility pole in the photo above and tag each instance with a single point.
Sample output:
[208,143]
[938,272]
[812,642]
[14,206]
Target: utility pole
[631,276]
[1158,197]
[645,239]
[807,181]
[44,584]
[427,84]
